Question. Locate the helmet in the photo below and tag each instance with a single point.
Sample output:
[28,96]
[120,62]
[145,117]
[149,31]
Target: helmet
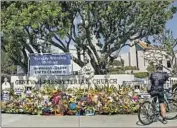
[159,67]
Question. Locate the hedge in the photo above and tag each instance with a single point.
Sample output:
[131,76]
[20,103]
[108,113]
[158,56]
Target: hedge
[141,74]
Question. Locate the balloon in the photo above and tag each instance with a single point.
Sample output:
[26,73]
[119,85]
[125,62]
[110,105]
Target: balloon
[73,106]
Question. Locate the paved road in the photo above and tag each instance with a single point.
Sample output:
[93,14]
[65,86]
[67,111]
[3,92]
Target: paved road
[13,120]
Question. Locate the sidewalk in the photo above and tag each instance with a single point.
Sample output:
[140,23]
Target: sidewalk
[14,120]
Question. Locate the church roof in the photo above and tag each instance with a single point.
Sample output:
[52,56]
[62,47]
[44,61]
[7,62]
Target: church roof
[145,45]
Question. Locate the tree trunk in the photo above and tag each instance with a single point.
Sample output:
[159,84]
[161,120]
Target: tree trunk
[100,69]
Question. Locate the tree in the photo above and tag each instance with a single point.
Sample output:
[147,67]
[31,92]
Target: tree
[118,22]
[112,23]
[7,66]
[23,27]
[169,45]
[165,48]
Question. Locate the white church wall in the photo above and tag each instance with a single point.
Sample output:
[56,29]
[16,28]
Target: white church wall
[125,57]
[141,61]
[133,59]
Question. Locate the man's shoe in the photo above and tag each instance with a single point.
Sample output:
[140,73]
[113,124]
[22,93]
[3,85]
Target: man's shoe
[164,121]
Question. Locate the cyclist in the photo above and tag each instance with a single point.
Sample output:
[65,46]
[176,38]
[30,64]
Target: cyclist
[158,79]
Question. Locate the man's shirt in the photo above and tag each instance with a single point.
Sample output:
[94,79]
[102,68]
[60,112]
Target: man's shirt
[158,79]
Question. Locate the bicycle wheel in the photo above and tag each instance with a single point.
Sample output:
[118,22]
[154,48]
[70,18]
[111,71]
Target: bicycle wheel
[171,108]
[146,109]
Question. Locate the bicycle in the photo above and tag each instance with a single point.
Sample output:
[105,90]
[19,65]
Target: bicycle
[153,113]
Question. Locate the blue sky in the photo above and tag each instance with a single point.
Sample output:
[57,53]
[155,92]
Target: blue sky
[171,24]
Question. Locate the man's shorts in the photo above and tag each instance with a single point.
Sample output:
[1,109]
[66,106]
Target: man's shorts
[160,96]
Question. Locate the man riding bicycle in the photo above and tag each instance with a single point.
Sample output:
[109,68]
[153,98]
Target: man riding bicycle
[158,79]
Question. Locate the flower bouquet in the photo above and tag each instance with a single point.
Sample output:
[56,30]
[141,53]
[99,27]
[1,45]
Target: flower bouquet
[3,107]
[89,111]
[47,110]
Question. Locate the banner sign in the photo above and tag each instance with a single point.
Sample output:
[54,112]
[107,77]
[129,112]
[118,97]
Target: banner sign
[50,64]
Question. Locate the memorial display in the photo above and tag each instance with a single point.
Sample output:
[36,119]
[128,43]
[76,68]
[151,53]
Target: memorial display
[98,100]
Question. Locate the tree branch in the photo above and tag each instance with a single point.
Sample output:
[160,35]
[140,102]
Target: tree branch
[17,62]
[31,42]
[78,61]
[59,46]
[91,45]
[70,35]
[60,41]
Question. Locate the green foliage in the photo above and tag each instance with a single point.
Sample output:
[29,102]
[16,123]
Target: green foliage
[130,68]
[121,69]
[151,67]
[141,74]
[36,15]
[25,23]
[7,65]
[168,43]
[118,63]
[131,17]
[116,70]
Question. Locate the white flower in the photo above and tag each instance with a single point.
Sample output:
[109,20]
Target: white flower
[110,98]
[99,104]
[39,95]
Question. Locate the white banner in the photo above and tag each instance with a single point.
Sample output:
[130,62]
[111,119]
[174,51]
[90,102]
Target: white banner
[51,70]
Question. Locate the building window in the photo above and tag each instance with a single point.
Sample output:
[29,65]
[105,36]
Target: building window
[168,64]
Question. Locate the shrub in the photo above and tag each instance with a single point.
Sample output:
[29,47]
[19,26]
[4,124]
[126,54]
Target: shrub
[117,70]
[141,74]
[130,68]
